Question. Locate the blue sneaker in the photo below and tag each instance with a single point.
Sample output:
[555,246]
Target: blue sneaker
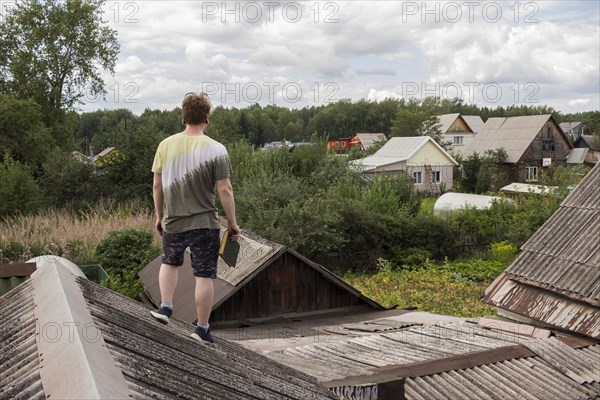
[162,314]
[202,334]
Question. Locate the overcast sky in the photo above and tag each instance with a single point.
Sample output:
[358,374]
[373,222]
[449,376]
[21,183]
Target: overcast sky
[302,53]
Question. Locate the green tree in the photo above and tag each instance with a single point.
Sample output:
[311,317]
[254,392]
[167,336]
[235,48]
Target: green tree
[55,51]
[67,179]
[23,134]
[19,192]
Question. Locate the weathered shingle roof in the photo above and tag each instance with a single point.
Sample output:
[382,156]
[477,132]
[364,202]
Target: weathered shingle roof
[514,134]
[455,360]
[555,279]
[90,342]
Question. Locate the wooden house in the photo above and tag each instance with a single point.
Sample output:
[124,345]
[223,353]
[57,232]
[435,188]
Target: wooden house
[532,142]
[460,130]
[591,148]
[420,157]
[269,280]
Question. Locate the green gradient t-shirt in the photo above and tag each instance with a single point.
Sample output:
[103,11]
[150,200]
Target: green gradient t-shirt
[190,167]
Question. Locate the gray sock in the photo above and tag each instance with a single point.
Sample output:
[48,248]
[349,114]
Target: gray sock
[168,304]
[203,325]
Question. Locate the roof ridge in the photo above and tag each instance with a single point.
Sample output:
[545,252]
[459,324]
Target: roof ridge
[64,322]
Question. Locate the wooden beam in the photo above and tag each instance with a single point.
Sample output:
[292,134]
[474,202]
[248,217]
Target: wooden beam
[463,361]
[22,269]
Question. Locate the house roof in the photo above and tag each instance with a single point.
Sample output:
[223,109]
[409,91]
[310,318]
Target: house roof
[567,127]
[577,155]
[446,121]
[66,337]
[474,121]
[586,141]
[514,134]
[555,279]
[368,139]
[528,188]
[398,149]
[103,153]
[459,358]
[256,254]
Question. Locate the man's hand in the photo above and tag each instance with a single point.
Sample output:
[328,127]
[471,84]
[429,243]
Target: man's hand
[234,231]
[158,226]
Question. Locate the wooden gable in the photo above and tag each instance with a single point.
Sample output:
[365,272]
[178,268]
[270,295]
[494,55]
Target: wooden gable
[550,143]
[288,285]
[459,125]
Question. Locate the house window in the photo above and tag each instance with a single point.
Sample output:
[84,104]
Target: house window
[418,177]
[436,176]
[532,173]
[458,140]
[548,144]
[337,144]
[344,144]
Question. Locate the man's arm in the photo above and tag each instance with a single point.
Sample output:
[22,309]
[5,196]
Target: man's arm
[225,192]
[159,201]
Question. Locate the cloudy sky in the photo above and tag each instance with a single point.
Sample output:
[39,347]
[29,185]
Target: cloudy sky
[302,53]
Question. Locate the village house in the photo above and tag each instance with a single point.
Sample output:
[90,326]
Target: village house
[420,158]
[589,148]
[460,130]
[531,142]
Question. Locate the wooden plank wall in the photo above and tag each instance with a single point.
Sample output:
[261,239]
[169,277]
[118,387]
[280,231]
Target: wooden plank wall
[287,285]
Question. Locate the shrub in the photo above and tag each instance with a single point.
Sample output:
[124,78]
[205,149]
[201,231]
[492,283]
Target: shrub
[122,254]
[503,252]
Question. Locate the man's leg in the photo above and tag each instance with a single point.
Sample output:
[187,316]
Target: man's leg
[167,281]
[204,298]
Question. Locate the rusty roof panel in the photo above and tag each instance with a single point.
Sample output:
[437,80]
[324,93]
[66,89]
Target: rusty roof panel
[556,277]
[544,306]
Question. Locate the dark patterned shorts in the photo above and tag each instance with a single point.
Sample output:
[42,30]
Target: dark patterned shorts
[204,250]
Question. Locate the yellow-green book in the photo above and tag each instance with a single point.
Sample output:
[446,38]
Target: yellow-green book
[229,250]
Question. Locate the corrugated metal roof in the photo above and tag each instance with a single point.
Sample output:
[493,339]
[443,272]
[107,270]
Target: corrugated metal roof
[577,155]
[514,134]
[156,361]
[556,277]
[568,126]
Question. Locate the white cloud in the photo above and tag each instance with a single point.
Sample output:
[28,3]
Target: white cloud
[367,49]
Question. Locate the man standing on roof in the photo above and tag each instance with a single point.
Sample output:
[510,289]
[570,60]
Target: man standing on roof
[187,168]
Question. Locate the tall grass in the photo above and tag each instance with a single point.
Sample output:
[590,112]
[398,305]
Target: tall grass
[73,235]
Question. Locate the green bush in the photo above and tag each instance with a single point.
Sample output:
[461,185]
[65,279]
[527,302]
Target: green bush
[122,254]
